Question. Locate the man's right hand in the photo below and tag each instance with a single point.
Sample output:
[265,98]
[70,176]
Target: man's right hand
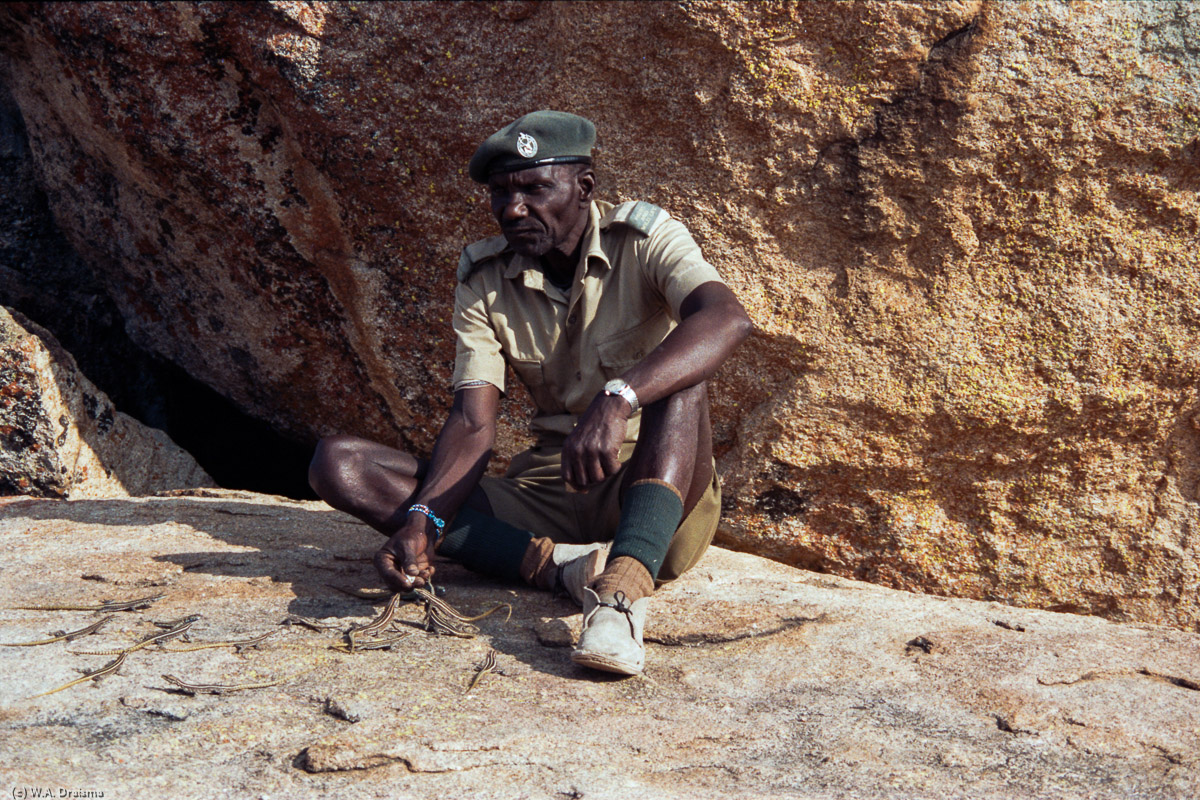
[592,451]
[406,561]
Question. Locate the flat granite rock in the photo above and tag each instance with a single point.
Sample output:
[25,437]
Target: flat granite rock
[761,680]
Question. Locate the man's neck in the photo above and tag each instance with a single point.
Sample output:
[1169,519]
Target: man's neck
[560,268]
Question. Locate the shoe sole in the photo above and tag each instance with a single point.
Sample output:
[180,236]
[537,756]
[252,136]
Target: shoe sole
[600,662]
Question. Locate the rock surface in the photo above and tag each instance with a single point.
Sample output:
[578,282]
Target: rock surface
[966,231]
[61,437]
[43,277]
[762,680]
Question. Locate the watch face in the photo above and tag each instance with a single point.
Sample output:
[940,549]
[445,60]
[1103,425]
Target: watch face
[614,386]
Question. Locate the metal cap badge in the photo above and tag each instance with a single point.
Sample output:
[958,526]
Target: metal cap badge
[526,145]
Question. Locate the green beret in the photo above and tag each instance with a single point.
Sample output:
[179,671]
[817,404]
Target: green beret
[534,140]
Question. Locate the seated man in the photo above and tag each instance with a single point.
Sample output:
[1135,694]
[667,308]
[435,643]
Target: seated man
[613,320]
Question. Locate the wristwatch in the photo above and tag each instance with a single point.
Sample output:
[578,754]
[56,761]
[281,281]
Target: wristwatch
[619,387]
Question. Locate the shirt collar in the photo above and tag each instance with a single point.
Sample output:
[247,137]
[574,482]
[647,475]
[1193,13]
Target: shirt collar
[591,249]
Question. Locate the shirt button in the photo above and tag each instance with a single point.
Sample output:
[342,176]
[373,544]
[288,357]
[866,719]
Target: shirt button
[578,376]
[571,320]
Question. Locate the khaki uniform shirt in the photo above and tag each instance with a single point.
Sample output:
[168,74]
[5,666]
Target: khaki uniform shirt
[636,266]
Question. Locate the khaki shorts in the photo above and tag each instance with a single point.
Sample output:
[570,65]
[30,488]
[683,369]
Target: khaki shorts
[533,497]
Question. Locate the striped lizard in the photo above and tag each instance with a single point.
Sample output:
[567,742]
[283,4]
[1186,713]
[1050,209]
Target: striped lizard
[374,644]
[376,625]
[61,636]
[174,630]
[104,606]
[108,669]
[442,617]
[216,688]
[488,664]
[255,642]
[307,622]
[224,688]
[383,594]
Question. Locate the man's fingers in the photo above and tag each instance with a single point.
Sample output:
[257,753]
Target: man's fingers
[612,463]
[595,469]
[572,473]
[400,576]
[600,464]
[385,565]
[581,470]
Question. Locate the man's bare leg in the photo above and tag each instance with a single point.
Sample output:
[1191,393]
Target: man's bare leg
[371,481]
[669,471]
[377,484]
[675,445]
[667,475]
[368,480]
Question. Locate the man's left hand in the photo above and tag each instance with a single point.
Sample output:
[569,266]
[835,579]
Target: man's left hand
[591,452]
[406,561]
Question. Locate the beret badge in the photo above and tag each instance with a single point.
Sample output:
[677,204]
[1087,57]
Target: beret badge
[526,145]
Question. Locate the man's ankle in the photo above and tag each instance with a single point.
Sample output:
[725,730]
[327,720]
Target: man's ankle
[537,566]
[624,574]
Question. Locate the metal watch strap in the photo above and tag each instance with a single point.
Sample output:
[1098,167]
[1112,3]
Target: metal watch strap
[621,388]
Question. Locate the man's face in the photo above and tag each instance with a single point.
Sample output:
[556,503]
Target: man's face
[542,209]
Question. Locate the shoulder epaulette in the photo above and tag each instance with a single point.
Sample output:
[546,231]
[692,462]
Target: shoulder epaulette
[476,253]
[637,214]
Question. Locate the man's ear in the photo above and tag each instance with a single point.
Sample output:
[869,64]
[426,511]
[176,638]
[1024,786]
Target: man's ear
[586,181]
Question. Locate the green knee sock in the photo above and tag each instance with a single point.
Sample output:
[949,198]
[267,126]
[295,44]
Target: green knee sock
[485,544]
[650,514]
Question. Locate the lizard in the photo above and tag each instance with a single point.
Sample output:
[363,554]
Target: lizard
[442,617]
[103,607]
[377,644]
[376,625]
[224,688]
[61,636]
[108,669]
[216,688]
[488,664]
[308,622]
[384,594]
[177,628]
[255,642]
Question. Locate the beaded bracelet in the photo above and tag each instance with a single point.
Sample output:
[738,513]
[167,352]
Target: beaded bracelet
[428,512]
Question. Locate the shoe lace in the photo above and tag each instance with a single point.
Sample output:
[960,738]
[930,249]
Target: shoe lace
[621,603]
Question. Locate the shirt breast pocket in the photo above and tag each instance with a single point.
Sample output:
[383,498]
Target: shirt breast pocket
[623,350]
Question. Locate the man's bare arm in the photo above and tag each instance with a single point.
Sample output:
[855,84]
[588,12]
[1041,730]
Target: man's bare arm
[713,323]
[460,457]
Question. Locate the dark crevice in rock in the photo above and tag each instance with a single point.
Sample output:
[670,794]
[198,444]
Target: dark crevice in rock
[952,38]
[1182,683]
[919,643]
[1006,725]
[44,278]
[781,502]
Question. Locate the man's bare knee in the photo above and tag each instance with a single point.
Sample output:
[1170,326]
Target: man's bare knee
[684,403]
[676,416]
[675,444]
[333,467]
